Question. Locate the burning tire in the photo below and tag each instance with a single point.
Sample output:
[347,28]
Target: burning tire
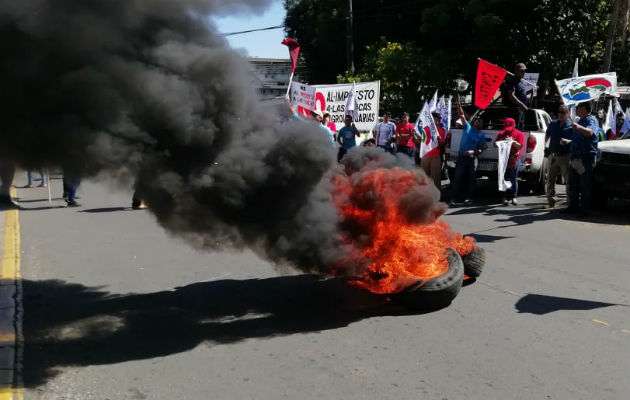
[436,292]
[474,262]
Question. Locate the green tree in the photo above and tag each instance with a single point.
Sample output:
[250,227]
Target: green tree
[442,40]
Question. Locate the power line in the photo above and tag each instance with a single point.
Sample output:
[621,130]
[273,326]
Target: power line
[253,30]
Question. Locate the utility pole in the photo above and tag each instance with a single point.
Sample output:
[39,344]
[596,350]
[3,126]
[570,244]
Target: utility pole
[349,39]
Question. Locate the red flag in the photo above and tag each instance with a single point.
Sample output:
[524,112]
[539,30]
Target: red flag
[489,78]
[294,50]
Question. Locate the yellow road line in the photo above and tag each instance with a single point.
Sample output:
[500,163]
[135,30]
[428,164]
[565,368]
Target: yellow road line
[10,267]
[10,272]
[601,322]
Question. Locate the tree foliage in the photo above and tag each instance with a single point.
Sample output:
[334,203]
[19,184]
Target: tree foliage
[430,43]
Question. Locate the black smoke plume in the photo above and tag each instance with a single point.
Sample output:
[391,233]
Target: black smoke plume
[146,90]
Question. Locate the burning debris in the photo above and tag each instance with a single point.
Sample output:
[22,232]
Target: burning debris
[147,92]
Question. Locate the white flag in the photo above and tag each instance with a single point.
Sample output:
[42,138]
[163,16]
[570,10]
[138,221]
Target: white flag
[587,88]
[504,156]
[626,118]
[351,103]
[433,102]
[444,108]
[429,141]
[610,121]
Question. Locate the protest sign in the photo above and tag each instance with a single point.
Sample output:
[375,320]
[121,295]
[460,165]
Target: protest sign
[302,95]
[530,80]
[332,99]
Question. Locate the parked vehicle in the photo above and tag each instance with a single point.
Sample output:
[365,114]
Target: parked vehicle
[533,161]
[611,176]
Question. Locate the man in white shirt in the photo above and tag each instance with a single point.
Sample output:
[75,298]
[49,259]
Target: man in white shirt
[383,133]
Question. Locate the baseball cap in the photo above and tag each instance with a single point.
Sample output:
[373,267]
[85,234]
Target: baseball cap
[508,122]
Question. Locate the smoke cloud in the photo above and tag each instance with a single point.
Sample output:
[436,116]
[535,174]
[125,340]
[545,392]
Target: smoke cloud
[147,91]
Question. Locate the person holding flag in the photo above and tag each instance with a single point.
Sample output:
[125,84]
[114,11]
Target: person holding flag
[515,95]
[432,148]
[473,142]
[517,140]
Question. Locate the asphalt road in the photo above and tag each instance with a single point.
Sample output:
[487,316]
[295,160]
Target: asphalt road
[115,308]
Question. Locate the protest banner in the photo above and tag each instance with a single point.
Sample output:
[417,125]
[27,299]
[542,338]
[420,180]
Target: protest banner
[302,96]
[332,99]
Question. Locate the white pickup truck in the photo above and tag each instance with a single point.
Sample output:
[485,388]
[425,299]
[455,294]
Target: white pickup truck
[533,161]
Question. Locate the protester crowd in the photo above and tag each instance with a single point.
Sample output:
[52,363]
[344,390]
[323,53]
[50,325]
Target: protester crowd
[570,146]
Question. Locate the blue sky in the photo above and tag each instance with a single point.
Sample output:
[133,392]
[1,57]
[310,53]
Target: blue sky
[257,44]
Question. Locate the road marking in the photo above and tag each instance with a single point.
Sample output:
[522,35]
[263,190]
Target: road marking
[11,340]
[601,322]
[625,331]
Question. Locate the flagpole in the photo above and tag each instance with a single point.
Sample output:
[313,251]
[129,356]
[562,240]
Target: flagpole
[49,183]
[290,80]
[508,72]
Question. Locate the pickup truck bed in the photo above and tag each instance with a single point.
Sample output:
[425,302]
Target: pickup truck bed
[533,162]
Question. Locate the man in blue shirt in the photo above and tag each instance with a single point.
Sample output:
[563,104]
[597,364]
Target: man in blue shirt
[473,142]
[559,134]
[583,151]
[346,137]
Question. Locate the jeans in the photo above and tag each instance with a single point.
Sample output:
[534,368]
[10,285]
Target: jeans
[465,179]
[389,148]
[511,174]
[342,152]
[29,176]
[70,186]
[580,185]
[7,172]
[519,118]
[405,150]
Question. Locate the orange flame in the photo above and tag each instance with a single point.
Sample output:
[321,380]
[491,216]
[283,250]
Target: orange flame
[396,253]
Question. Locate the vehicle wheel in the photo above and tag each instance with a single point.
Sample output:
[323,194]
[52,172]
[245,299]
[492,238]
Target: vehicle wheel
[539,181]
[599,199]
[437,292]
[474,262]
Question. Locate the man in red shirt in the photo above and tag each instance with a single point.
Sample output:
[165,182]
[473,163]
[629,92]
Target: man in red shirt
[509,132]
[404,136]
[431,163]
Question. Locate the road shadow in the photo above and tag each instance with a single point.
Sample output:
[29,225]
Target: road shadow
[106,209]
[480,238]
[37,200]
[71,324]
[539,304]
[40,208]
